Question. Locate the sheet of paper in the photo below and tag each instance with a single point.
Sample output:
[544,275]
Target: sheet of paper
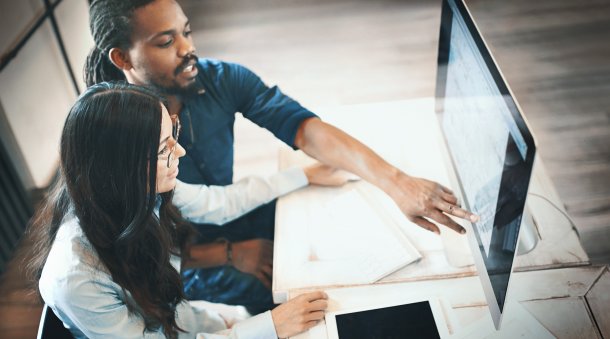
[351,243]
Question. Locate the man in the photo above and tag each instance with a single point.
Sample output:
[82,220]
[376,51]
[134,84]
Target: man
[148,42]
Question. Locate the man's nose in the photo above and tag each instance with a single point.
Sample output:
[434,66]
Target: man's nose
[186,47]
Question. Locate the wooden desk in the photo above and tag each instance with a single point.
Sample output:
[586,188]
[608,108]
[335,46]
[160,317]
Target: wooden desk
[568,302]
[407,134]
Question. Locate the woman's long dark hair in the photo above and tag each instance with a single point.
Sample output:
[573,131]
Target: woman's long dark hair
[110,25]
[108,171]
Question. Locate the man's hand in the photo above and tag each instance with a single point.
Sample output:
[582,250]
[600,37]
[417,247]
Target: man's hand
[299,314]
[324,175]
[255,256]
[420,199]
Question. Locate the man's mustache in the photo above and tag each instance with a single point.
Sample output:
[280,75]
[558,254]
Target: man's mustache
[185,63]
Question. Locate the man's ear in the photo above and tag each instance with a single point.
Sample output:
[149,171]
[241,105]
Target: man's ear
[119,58]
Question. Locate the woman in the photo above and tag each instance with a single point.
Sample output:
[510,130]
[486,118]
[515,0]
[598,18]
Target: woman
[110,238]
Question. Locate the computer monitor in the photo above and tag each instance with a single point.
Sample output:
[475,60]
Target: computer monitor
[490,146]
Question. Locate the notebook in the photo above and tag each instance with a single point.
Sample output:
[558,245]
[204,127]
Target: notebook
[352,242]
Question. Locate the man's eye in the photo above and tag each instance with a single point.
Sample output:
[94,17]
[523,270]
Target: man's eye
[167,43]
[187,33]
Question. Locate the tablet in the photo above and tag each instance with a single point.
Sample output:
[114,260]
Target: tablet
[421,318]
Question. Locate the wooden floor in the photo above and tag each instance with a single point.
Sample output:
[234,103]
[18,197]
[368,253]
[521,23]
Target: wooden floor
[554,54]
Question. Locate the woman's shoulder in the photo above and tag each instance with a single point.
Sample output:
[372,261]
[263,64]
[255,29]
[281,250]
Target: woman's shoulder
[72,243]
[72,262]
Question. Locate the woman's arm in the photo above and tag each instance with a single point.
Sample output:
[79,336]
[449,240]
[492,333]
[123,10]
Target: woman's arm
[93,306]
[97,309]
[221,204]
[85,297]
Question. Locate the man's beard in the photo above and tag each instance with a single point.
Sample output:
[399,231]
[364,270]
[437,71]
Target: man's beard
[175,89]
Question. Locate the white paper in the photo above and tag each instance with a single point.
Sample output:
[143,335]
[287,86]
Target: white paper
[351,243]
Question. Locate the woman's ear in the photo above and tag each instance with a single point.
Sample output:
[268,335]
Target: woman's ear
[119,58]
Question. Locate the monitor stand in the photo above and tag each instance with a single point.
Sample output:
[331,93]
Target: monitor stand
[457,251]
[456,248]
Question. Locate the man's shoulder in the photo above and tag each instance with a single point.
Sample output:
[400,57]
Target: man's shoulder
[215,68]
[216,64]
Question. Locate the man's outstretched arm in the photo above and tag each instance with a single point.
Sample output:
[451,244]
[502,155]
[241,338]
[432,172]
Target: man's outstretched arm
[418,198]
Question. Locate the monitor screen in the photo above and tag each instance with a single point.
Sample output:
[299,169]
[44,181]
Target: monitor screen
[491,149]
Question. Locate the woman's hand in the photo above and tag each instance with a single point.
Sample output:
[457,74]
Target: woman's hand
[299,314]
[324,175]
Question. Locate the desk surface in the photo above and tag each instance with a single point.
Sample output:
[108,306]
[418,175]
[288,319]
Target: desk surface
[407,134]
[567,302]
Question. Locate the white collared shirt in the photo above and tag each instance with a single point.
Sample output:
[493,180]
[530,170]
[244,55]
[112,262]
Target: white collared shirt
[81,292]
[221,204]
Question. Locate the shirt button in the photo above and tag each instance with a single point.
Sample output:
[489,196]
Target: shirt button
[201,166]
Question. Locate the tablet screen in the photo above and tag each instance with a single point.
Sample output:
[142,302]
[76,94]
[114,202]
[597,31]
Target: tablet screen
[403,321]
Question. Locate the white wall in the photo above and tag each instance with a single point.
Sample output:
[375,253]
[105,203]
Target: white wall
[15,16]
[35,89]
[73,20]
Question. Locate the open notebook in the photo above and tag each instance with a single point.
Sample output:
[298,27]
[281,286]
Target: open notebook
[351,242]
[338,235]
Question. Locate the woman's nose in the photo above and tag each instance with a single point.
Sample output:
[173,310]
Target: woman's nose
[180,151]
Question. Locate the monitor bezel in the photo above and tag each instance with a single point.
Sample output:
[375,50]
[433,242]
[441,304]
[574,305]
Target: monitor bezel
[513,106]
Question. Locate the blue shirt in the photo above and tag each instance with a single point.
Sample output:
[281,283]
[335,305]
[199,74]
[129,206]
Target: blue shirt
[207,119]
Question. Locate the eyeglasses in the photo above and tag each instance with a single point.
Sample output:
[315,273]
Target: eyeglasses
[176,127]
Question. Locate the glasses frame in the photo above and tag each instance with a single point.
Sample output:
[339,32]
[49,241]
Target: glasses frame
[176,128]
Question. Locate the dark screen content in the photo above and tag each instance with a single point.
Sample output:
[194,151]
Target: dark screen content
[397,322]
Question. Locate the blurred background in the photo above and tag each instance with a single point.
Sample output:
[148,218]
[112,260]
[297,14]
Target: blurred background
[554,54]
